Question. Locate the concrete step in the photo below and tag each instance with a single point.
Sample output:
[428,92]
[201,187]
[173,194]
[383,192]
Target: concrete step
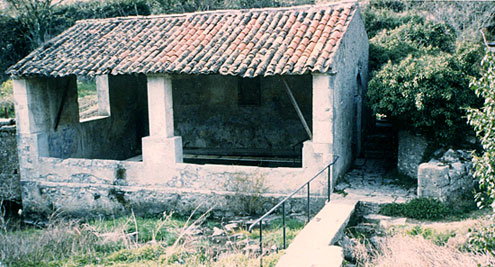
[313,246]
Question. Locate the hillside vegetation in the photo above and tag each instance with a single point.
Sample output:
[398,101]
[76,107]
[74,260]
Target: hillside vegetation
[422,61]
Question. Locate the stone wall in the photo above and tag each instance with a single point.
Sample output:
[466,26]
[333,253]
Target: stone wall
[209,114]
[91,188]
[410,153]
[446,178]
[10,188]
[52,113]
[349,85]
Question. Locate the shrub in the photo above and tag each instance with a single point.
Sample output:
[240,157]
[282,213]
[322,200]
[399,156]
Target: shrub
[481,240]
[483,121]
[418,208]
[418,77]
[413,38]
[395,5]
[378,20]
[424,94]
[438,238]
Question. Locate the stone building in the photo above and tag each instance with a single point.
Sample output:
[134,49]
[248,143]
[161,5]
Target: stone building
[192,108]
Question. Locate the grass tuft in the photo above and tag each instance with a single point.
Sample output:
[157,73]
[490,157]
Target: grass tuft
[136,241]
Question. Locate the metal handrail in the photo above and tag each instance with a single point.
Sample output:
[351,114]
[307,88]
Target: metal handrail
[259,221]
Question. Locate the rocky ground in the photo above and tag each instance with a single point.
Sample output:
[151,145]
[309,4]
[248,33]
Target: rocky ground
[373,180]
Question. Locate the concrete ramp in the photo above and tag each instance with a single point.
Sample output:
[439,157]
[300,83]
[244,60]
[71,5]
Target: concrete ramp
[313,246]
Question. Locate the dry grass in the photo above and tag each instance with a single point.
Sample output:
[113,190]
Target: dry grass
[134,241]
[415,251]
[427,244]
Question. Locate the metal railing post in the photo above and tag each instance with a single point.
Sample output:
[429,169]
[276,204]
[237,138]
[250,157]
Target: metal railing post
[331,179]
[283,221]
[261,243]
[307,207]
[259,221]
[329,183]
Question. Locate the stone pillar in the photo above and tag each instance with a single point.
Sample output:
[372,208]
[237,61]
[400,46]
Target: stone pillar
[103,92]
[319,150]
[32,118]
[161,149]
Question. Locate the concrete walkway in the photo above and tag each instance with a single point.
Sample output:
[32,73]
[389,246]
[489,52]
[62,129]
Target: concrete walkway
[368,182]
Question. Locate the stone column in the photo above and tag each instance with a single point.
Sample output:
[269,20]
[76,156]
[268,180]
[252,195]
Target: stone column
[161,149]
[31,109]
[318,151]
[102,88]
[31,118]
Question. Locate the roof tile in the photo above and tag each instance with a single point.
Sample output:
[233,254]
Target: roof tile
[248,43]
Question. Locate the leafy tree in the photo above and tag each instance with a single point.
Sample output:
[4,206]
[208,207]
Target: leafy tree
[394,5]
[35,17]
[483,121]
[420,71]
[64,16]
[13,43]
[377,20]
[411,38]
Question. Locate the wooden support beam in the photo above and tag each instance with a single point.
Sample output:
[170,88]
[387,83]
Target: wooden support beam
[62,103]
[298,110]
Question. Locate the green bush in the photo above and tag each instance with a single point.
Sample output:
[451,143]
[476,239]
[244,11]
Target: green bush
[481,240]
[424,94]
[413,38]
[394,5]
[483,121]
[420,70]
[418,208]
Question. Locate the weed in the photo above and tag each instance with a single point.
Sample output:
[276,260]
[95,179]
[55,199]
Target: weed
[249,190]
[431,209]
[481,240]
[438,238]
[119,195]
[341,192]
[418,208]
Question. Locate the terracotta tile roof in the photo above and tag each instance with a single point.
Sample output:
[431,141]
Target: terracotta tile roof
[247,43]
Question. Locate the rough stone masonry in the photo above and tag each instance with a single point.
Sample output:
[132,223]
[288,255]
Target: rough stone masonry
[446,178]
[155,100]
[10,187]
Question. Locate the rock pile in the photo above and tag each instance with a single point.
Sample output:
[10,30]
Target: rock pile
[446,177]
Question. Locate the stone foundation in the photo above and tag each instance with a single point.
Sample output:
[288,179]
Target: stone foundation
[92,188]
[10,188]
[446,179]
